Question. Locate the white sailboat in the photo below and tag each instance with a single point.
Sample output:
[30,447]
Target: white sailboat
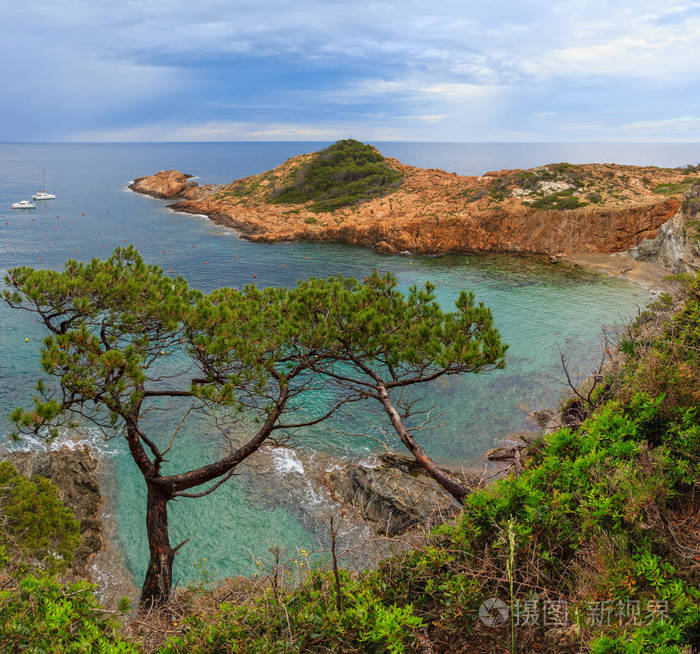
[23,204]
[44,194]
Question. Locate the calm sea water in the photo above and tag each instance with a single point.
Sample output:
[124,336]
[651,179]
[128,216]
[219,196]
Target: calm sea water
[538,309]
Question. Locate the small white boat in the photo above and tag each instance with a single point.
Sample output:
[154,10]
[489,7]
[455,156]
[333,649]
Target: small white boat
[43,195]
[23,204]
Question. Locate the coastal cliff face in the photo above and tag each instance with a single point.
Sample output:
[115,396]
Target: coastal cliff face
[554,209]
[677,244]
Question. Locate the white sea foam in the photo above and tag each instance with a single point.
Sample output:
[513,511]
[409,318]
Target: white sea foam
[72,440]
[286,461]
[308,493]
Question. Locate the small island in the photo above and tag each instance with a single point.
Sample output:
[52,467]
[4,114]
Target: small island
[351,193]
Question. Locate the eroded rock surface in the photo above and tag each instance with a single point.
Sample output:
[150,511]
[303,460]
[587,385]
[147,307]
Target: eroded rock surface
[395,495]
[164,185]
[677,244]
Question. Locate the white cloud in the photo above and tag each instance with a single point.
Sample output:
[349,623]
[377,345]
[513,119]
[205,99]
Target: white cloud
[461,70]
[683,125]
[454,90]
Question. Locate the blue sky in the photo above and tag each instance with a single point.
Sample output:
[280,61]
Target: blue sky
[211,70]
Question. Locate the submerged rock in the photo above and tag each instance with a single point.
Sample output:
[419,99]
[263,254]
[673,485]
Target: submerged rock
[395,495]
[75,473]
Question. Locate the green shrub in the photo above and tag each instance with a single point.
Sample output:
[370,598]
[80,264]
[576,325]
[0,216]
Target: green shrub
[558,201]
[346,173]
[674,188]
[41,616]
[303,619]
[37,523]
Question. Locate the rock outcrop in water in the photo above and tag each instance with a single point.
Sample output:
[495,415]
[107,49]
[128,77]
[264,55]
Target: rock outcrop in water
[677,244]
[163,185]
[554,209]
[394,495]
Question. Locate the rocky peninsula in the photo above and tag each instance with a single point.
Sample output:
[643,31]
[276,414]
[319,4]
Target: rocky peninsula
[554,210]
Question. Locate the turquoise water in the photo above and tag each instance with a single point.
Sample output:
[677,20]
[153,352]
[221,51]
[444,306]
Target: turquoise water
[537,308]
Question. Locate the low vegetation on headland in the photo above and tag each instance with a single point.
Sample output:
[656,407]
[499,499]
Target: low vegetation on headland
[590,545]
[349,192]
[563,186]
[344,174]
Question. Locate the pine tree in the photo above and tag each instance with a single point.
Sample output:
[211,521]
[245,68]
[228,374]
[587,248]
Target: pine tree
[123,338]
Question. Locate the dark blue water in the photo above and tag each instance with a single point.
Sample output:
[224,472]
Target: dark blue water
[537,308]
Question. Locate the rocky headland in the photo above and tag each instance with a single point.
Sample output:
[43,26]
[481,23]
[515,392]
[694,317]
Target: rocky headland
[555,210]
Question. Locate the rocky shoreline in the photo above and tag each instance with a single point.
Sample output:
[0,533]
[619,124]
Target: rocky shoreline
[388,497]
[613,209]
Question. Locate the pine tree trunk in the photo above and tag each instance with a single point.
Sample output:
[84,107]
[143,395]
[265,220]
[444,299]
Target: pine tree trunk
[454,488]
[159,576]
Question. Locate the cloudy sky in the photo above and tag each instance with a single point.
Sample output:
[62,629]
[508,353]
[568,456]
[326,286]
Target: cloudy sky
[211,70]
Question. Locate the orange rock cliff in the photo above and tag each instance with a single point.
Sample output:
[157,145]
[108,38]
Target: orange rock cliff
[554,209]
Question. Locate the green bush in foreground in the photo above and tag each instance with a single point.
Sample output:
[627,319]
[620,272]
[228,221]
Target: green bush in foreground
[309,621]
[582,504]
[346,173]
[40,616]
[35,523]
[38,613]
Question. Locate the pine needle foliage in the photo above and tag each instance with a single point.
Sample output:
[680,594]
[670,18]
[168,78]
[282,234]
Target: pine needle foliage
[123,338]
